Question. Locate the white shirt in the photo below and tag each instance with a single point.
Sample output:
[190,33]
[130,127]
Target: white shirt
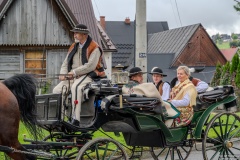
[166,91]
[202,86]
[183,102]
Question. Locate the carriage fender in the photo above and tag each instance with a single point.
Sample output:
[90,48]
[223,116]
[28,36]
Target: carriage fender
[160,123]
[206,113]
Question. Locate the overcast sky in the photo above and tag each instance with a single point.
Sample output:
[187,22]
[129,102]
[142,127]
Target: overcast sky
[216,16]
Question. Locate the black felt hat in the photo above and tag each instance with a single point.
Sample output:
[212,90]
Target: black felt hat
[157,70]
[80,28]
[135,70]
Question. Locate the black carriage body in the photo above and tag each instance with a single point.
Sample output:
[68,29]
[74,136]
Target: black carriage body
[49,109]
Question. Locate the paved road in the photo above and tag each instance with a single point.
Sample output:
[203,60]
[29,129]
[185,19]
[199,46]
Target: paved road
[194,155]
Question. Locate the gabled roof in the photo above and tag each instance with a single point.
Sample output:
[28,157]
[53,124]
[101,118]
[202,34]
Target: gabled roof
[123,36]
[75,11]
[229,53]
[191,45]
[171,41]
[107,43]
[4,4]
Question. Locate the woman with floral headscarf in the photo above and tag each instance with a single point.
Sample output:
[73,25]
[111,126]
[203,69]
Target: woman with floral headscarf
[183,97]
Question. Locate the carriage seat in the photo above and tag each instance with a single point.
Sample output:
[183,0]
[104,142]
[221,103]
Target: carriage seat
[213,96]
[99,87]
[134,101]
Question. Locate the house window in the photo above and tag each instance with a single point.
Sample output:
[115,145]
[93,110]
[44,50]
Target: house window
[35,62]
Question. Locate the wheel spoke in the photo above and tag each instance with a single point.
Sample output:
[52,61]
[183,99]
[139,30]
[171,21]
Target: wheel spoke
[217,133]
[172,154]
[234,122]
[226,129]
[213,139]
[233,135]
[179,154]
[232,153]
[221,128]
[169,151]
[215,154]
[102,149]
[161,152]
[213,147]
[184,149]
[105,151]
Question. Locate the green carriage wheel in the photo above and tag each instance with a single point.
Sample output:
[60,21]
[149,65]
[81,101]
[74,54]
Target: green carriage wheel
[179,151]
[222,137]
[102,148]
[62,152]
[171,153]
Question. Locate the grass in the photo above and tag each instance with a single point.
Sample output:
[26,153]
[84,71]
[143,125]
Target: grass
[97,134]
[212,133]
[224,45]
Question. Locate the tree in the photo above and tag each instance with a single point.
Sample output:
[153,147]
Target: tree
[234,36]
[237,80]
[217,75]
[235,62]
[237,6]
[225,76]
[233,44]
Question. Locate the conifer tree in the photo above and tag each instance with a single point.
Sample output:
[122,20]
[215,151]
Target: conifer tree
[234,65]
[217,75]
[225,74]
[237,79]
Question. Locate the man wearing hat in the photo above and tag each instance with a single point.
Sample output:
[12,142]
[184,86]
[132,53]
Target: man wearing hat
[163,87]
[136,85]
[82,64]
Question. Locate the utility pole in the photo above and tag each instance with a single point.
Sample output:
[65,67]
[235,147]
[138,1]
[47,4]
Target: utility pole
[141,37]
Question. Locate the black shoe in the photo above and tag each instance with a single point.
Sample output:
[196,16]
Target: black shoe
[75,122]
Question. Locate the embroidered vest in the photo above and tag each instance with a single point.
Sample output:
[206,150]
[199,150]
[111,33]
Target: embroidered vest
[195,81]
[91,46]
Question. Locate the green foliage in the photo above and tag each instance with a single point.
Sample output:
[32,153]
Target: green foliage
[234,64]
[237,80]
[234,36]
[45,86]
[225,76]
[217,75]
[234,43]
[237,7]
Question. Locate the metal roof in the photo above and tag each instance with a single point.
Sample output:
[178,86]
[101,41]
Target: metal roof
[123,36]
[75,11]
[83,12]
[171,41]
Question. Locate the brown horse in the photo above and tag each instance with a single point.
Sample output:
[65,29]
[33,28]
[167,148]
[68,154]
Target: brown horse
[17,102]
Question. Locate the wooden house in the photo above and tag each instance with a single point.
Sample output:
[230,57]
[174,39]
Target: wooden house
[35,35]
[190,45]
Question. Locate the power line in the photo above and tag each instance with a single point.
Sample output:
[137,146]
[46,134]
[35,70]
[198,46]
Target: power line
[178,13]
[97,8]
[173,12]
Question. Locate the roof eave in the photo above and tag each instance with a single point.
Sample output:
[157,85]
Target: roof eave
[4,7]
[67,12]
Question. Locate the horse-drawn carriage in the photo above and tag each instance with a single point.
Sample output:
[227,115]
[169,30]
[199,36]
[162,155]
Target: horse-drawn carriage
[106,108]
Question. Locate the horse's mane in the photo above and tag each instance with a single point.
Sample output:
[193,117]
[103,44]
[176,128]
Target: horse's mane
[23,86]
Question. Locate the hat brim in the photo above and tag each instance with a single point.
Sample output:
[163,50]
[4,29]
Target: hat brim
[164,75]
[131,74]
[79,31]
